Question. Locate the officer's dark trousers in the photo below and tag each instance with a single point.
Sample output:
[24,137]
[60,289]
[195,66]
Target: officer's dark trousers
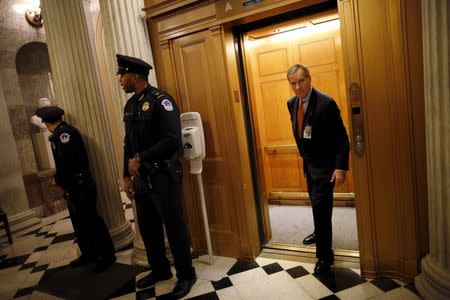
[158,208]
[320,191]
[90,230]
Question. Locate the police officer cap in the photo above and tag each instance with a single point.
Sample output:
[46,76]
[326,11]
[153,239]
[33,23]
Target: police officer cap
[50,114]
[127,64]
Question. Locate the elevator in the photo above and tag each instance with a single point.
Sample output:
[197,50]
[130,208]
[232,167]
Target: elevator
[266,53]
[249,166]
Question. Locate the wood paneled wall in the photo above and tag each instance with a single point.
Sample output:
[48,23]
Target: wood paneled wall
[381,45]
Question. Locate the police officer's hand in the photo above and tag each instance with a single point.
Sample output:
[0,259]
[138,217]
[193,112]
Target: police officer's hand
[338,177]
[128,188]
[133,167]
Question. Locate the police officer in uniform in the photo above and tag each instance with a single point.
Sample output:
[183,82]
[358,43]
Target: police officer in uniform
[152,174]
[74,177]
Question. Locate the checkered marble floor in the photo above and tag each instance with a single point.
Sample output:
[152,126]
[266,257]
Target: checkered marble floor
[51,245]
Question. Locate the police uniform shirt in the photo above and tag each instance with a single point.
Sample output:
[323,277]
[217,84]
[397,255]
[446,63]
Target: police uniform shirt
[70,155]
[152,127]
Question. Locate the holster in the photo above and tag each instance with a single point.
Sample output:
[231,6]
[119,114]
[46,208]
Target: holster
[141,186]
[172,168]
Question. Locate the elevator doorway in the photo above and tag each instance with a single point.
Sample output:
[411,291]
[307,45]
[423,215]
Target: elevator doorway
[267,52]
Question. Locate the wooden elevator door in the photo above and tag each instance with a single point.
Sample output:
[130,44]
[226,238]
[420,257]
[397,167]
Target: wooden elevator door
[199,64]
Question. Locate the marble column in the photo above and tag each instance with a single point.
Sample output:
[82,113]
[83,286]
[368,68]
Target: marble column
[126,33]
[78,91]
[434,281]
[13,198]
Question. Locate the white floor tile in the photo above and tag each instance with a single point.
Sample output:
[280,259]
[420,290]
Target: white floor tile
[264,261]
[32,279]
[34,257]
[313,286]
[363,291]
[213,272]
[59,254]
[249,277]
[62,227]
[399,293]
[12,278]
[200,287]
[229,293]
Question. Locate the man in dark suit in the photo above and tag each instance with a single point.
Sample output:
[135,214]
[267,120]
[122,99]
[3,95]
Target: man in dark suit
[324,146]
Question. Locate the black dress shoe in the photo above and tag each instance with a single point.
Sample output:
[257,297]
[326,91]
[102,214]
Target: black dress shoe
[310,239]
[80,261]
[323,266]
[183,287]
[151,279]
[104,263]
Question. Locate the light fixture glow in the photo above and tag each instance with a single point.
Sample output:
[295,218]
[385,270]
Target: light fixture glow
[25,5]
[305,31]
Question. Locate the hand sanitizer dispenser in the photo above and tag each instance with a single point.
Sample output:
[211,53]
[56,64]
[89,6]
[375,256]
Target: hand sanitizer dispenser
[193,140]
[194,150]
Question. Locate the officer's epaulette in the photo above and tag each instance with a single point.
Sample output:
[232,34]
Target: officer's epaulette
[157,94]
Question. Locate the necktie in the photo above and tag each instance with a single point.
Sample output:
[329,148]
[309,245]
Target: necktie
[300,115]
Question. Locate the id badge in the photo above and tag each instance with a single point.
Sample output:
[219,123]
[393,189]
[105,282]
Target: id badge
[307,132]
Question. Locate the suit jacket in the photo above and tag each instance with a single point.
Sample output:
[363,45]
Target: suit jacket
[329,146]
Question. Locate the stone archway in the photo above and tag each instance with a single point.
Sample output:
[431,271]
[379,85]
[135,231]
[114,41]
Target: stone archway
[34,78]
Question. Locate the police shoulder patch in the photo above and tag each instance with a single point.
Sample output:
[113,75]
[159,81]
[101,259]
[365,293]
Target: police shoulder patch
[167,105]
[64,138]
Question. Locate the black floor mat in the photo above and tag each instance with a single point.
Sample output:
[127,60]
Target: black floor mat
[83,283]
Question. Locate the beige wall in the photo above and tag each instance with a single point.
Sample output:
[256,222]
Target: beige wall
[13,198]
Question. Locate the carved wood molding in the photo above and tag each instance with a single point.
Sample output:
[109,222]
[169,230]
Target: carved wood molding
[156,15]
[216,30]
[164,44]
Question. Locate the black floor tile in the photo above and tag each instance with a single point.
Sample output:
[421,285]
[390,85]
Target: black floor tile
[128,206]
[63,238]
[42,233]
[385,284]
[241,266]
[43,248]
[167,296]
[208,296]
[338,279]
[50,235]
[24,292]
[13,261]
[222,283]
[32,232]
[28,266]
[146,294]
[272,268]
[129,247]
[297,272]
[40,268]
[412,288]
[130,287]
[331,297]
